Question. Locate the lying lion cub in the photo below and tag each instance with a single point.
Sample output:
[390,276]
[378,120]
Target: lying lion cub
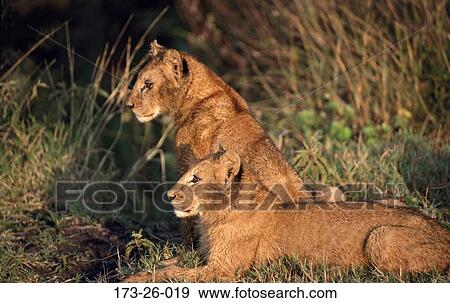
[340,234]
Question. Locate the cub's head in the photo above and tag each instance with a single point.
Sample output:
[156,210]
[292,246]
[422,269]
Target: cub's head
[158,84]
[204,182]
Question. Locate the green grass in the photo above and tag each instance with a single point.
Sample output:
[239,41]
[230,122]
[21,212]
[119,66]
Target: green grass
[287,269]
[384,123]
[40,146]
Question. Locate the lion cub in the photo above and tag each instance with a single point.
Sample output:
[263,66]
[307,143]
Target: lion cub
[237,232]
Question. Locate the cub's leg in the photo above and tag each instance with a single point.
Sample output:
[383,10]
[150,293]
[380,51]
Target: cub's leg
[224,260]
[399,248]
[189,232]
[208,273]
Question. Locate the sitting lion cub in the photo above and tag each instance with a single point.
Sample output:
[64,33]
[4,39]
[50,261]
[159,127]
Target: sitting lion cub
[237,232]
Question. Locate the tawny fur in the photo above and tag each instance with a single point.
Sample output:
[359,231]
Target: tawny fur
[340,234]
[208,113]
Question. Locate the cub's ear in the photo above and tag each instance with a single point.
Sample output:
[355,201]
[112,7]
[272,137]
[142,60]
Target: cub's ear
[220,150]
[156,49]
[232,164]
[179,64]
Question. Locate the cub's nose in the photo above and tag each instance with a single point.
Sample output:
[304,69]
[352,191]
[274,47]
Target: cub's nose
[176,195]
[130,103]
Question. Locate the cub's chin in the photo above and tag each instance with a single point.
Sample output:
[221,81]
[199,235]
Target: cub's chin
[185,214]
[144,119]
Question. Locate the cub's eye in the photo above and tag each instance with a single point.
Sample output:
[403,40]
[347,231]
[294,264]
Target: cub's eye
[195,179]
[148,85]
